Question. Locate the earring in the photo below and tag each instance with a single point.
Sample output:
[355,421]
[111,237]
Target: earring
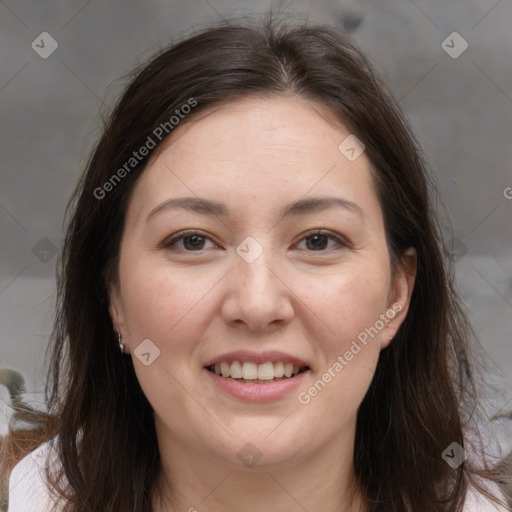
[120,341]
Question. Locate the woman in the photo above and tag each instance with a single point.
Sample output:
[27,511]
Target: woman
[254,308]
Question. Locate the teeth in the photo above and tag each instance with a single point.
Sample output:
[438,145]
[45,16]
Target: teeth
[235,370]
[252,371]
[279,369]
[266,371]
[224,369]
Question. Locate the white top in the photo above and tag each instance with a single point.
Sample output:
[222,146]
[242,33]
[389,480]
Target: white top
[27,485]
[28,490]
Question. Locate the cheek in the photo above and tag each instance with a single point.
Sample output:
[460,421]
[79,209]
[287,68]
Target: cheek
[169,309]
[350,306]
[347,303]
[162,304]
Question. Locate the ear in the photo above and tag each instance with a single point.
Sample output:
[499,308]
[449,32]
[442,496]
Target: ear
[115,308]
[400,295]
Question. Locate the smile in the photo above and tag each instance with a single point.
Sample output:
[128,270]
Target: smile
[256,373]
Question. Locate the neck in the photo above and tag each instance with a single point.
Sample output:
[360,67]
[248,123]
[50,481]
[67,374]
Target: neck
[202,483]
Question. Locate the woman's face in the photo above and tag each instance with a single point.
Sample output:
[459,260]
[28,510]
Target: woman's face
[253,288]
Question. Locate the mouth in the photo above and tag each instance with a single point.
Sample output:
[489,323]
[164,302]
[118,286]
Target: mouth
[251,376]
[248,372]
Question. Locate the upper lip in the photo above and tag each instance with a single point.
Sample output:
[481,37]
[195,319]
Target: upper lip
[256,357]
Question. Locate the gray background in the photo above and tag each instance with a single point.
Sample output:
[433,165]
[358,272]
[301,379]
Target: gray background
[460,108]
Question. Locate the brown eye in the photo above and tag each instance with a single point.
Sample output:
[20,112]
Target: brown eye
[187,242]
[319,241]
[193,242]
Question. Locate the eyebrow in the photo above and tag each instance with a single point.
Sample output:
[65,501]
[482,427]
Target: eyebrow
[297,208]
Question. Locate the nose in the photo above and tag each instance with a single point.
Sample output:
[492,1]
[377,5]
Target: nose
[258,296]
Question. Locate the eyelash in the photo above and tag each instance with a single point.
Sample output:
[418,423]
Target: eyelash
[170,244]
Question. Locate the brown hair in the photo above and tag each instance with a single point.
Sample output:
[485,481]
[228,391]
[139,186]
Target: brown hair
[423,384]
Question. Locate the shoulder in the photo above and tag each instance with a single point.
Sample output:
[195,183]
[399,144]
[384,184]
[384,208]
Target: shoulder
[477,502]
[28,489]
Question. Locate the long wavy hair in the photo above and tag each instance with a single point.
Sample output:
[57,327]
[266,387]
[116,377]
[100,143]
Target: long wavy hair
[423,394]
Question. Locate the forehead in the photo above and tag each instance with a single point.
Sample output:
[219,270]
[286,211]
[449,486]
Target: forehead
[264,148]
[280,125]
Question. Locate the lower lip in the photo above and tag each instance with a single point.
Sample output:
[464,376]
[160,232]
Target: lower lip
[257,392]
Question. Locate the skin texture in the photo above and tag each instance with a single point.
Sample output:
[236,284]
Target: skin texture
[256,155]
